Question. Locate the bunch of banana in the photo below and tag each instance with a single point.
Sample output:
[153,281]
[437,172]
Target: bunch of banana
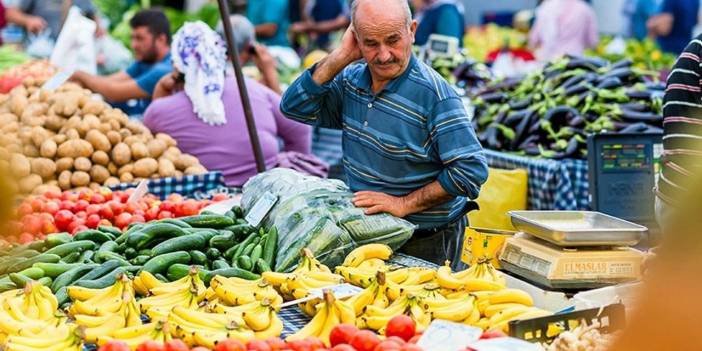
[60,338]
[367,252]
[309,274]
[146,281]
[159,331]
[236,291]
[330,313]
[186,292]
[374,295]
[460,309]
[28,311]
[377,318]
[479,277]
[198,328]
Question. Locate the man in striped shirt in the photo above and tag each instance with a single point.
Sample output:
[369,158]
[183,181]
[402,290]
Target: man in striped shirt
[409,148]
[682,135]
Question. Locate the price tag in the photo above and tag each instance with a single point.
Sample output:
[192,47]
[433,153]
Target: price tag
[141,190]
[340,291]
[448,336]
[504,344]
[58,79]
[260,209]
[222,207]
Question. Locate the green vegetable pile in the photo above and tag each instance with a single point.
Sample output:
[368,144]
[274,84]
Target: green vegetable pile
[645,53]
[11,57]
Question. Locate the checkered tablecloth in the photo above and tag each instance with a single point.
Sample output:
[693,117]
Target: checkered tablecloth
[186,185]
[553,184]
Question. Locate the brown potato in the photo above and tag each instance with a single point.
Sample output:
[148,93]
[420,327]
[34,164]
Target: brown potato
[20,165]
[48,148]
[125,133]
[112,168]
[59,138]
[135,127]
[100,158]
[111,181]
[64,180]
[121,154]
[166,139]
[82,164]
[139,150]
[80,178]
[64,164]
[114,124]
[104,128]
[185,161]
[72,134]
[156,148]
[99,174]
[128,168]
[178,174]
[39,135]
[30,150]
[145,167]
[75,148]
[126,178]
[45,188]
[94,186]
[132,139]
[94,107]
[98,140]
[44,167]
[28,183]
[166,168]
[114,137]
[192,170]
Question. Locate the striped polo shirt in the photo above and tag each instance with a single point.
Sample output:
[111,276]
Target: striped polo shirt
[682,125]
[411,133]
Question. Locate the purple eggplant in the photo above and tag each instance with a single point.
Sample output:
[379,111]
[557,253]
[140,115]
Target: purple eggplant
[634,116]
[638,127]
[609,83]
[635,106]
[639,94]
[625,62]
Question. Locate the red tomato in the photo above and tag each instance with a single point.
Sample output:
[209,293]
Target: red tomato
[25,238]
[276,344]
[166,206]
[85,195]
[411,347]
[92,221]
[106,212]
[343,347]
[52,194]
[48,227]
[342,334]
[316,344]
[165,214]
[229,345]
[97,199]
[150,346]
[151,214]
[123,220]
[415,338]
[402,326]
[387,345]
[51,207]
[365,340]
[137,218]
[37,204]
[78,228]
[81,205]
[492,334]
[67,205]
[81,214]
[190,207]
[300,345]
[257,345]
[114,345]
[116,207]
[176,345]
[93,209]
[63,218]
[105,223]
[175,198]
[396,339]
[106,193]
[200,348]
[24,209]
[220,197]
[32,224]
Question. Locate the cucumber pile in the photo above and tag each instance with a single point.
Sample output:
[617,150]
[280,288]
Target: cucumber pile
[217,244]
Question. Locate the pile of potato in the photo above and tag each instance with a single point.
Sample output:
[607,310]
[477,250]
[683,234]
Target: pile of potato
[65,139]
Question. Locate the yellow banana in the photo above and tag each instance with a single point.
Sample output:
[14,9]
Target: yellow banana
[509,313]
[456,313]
[82,294]
[372,264]
[274,329]
[376,322]
[491,310]
[398,276]
[532,313]
[476,284]
[474,316]
[113,323]
[275,278]
[511,296]
[446,279]
[365,252]
[346,312]
[313,328]
[134,331]
[331,322]
[258,319]
[362,299]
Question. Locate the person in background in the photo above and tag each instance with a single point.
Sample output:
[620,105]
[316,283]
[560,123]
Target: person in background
[271,21]
[636,14]
[672,27]
[563,27]
[321,18]
[200,107]
[249,50]
[37,15]
[445,17]
[151,40]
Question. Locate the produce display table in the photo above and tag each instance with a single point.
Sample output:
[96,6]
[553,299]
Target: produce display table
[186,185]
[553,184]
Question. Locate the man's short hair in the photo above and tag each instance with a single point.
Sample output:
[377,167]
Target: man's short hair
[405,8]
[243,29]
[155,20]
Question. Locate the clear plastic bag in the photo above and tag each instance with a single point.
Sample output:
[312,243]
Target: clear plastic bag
[318,214]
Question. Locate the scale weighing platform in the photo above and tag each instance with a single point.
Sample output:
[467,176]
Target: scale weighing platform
[572,250]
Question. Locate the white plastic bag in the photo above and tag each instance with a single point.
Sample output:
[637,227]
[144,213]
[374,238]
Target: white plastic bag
[116,56]
[75,46]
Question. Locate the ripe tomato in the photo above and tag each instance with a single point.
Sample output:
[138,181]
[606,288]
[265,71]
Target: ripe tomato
[175,198]
[114,345]
[365,340]
[388,345]
[32,224]
[85,195]
[78,228]
[92,221]
[229,345]
[48,227]
[52,207]
[402,326]
[138,218]
[316,344]
[106,212]
[492,334]
[200,348]
[52,194]
[67,205]
[150,346]
[342,334]
[81,205]
[37,204]
[276,344]
[167,206]
[395,339]
[257,345]
[343,347]
[151,214]
[165,214]
[116,206]
[81,215]
[176,345]
[190,207]
[93,209]
[411,347]
[415,338]
[97,199]
[25,238]
[62,219]
[220,197]
[123,220]
[24,209]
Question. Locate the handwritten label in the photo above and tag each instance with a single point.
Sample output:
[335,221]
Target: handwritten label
[504,344]
[260,209]
[448,336]
[223,206]
[141,190]
[340,291]
[58,79]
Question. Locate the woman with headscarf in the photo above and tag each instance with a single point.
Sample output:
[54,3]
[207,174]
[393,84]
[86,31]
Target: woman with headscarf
[199,106]
[563,27]
[445,17]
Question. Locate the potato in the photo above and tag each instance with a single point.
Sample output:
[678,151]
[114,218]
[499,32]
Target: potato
[121,154]
[30,150]
[20,165]
[39,135]
[114,137]
[75,148]
[48,148]
[166,168]
[94,186]
[64,164]
[104,128]
[114,124]
[172,153]
[73,123]
[27,184]
[80,178]
[72,134]
[82,164]
[126,177]
[195,170]
[18,102]
[185,161]
[98,140]
[100,158]
[156,147]
[93,107]
[6,118]
[132,139]
[99,174]
[111,181]
[54,123]
[135,127]
[59,138]
[64,180]
[139,150]
[44,167]
[178,174]
[125,133]
[166,139]
[112,168]
[128,168]
[15,148]
[145,167]
[45,188]
[89,123]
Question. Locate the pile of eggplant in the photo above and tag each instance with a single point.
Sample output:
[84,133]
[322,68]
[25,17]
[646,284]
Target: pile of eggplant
[550,113]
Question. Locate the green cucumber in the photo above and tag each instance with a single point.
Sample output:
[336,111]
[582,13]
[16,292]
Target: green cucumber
[7,285]
[45,257]
[160,264]
[219,264]
[25,254]
[75,246]
[106,280]
[103,269]
[104,256]
[175,221]
[93,235]
[38,245]
[130,253]
[179,270]
[241,221]
[146,252]
[160,277]
[62,296]
[249,248]
[256,253]
[45,281]
[123,238]
[72,257]
[261,266]
[222,241]
[213,253]
[244,262]
[208,221]
[186,242]
[231,272]
[245,243]
[270,246]
[86,256]
[110,246]
[230,214]
[141,260]
[110,230]
[71,275]
[238,211]
[19,280]
[154,232]
[230,252]
[53,270]
[198,258]
[240,230]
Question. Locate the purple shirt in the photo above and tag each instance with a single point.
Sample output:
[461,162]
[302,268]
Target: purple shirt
[227,148]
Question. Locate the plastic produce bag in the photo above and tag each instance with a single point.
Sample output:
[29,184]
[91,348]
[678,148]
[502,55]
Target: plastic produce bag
[116,56]
[75,46]
[318,214]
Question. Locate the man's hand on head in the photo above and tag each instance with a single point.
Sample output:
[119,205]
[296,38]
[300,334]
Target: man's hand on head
[349,50]
[376,202]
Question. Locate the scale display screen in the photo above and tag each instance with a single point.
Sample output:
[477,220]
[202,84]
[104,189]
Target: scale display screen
[439,46]
[626,157]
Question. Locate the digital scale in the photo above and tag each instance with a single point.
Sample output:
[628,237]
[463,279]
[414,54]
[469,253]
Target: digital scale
[572,250]
[439,46]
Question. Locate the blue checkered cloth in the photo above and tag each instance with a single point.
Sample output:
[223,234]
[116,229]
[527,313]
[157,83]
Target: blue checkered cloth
[553,184]
[186,185]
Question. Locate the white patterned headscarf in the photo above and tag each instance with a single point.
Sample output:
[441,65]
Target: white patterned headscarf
[199,54]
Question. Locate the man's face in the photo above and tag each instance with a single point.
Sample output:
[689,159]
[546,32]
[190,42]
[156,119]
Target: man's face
[386,46]
[144,45]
